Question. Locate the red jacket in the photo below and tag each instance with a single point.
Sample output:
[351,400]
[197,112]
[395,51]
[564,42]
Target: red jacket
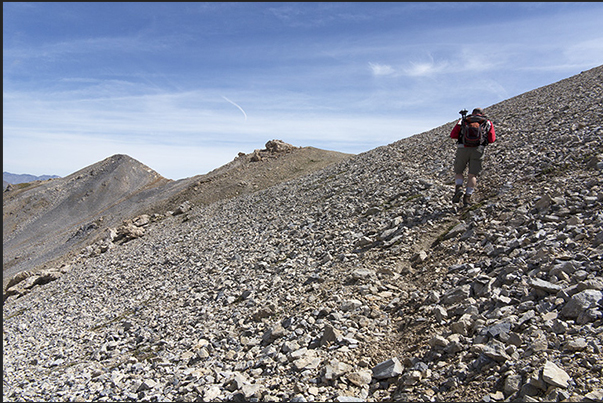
[457,130]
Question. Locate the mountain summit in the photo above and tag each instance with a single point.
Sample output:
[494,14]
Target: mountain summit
[360,281]
[40,221]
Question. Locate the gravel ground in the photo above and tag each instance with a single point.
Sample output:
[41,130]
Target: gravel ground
[358,282]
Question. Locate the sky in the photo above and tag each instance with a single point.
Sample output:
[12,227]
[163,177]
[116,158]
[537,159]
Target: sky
[184,87]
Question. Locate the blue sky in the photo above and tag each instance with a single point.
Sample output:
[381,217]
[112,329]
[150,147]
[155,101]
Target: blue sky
[184,87]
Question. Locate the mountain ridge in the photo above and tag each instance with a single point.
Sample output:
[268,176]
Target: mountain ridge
[40,219]
[14,179]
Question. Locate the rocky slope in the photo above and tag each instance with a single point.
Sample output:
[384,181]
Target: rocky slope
[43,220]
[48,222]
[359,282]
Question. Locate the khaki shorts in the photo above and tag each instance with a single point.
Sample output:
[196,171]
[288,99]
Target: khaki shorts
[469,155]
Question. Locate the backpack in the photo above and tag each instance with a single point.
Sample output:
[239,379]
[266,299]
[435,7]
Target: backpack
[474,131]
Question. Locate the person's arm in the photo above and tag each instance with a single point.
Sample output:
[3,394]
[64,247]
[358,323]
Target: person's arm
[491,134]
[456,131]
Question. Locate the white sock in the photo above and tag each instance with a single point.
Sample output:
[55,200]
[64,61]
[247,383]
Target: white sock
[469,191]
[458,182]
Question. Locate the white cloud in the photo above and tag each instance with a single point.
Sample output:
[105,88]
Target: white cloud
[381,69]
[421,69]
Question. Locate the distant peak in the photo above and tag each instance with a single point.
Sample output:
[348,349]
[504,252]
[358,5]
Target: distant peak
[121,157]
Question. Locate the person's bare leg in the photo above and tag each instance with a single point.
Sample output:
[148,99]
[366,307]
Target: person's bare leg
[471,182]
[471,185]
[458,190]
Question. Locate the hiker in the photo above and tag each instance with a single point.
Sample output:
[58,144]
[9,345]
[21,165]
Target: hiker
[474,132]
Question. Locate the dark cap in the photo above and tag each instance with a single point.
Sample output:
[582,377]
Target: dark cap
[477,111]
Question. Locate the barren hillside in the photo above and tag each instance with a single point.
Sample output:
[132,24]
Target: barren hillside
[48,222]
[43,220]
[358,282]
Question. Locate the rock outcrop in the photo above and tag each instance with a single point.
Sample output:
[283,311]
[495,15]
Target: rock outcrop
[358,282]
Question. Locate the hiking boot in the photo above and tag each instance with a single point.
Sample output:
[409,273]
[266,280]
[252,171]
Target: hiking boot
[458,192]
[467,200]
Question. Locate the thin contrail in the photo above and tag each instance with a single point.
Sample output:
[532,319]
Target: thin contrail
[241,109]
